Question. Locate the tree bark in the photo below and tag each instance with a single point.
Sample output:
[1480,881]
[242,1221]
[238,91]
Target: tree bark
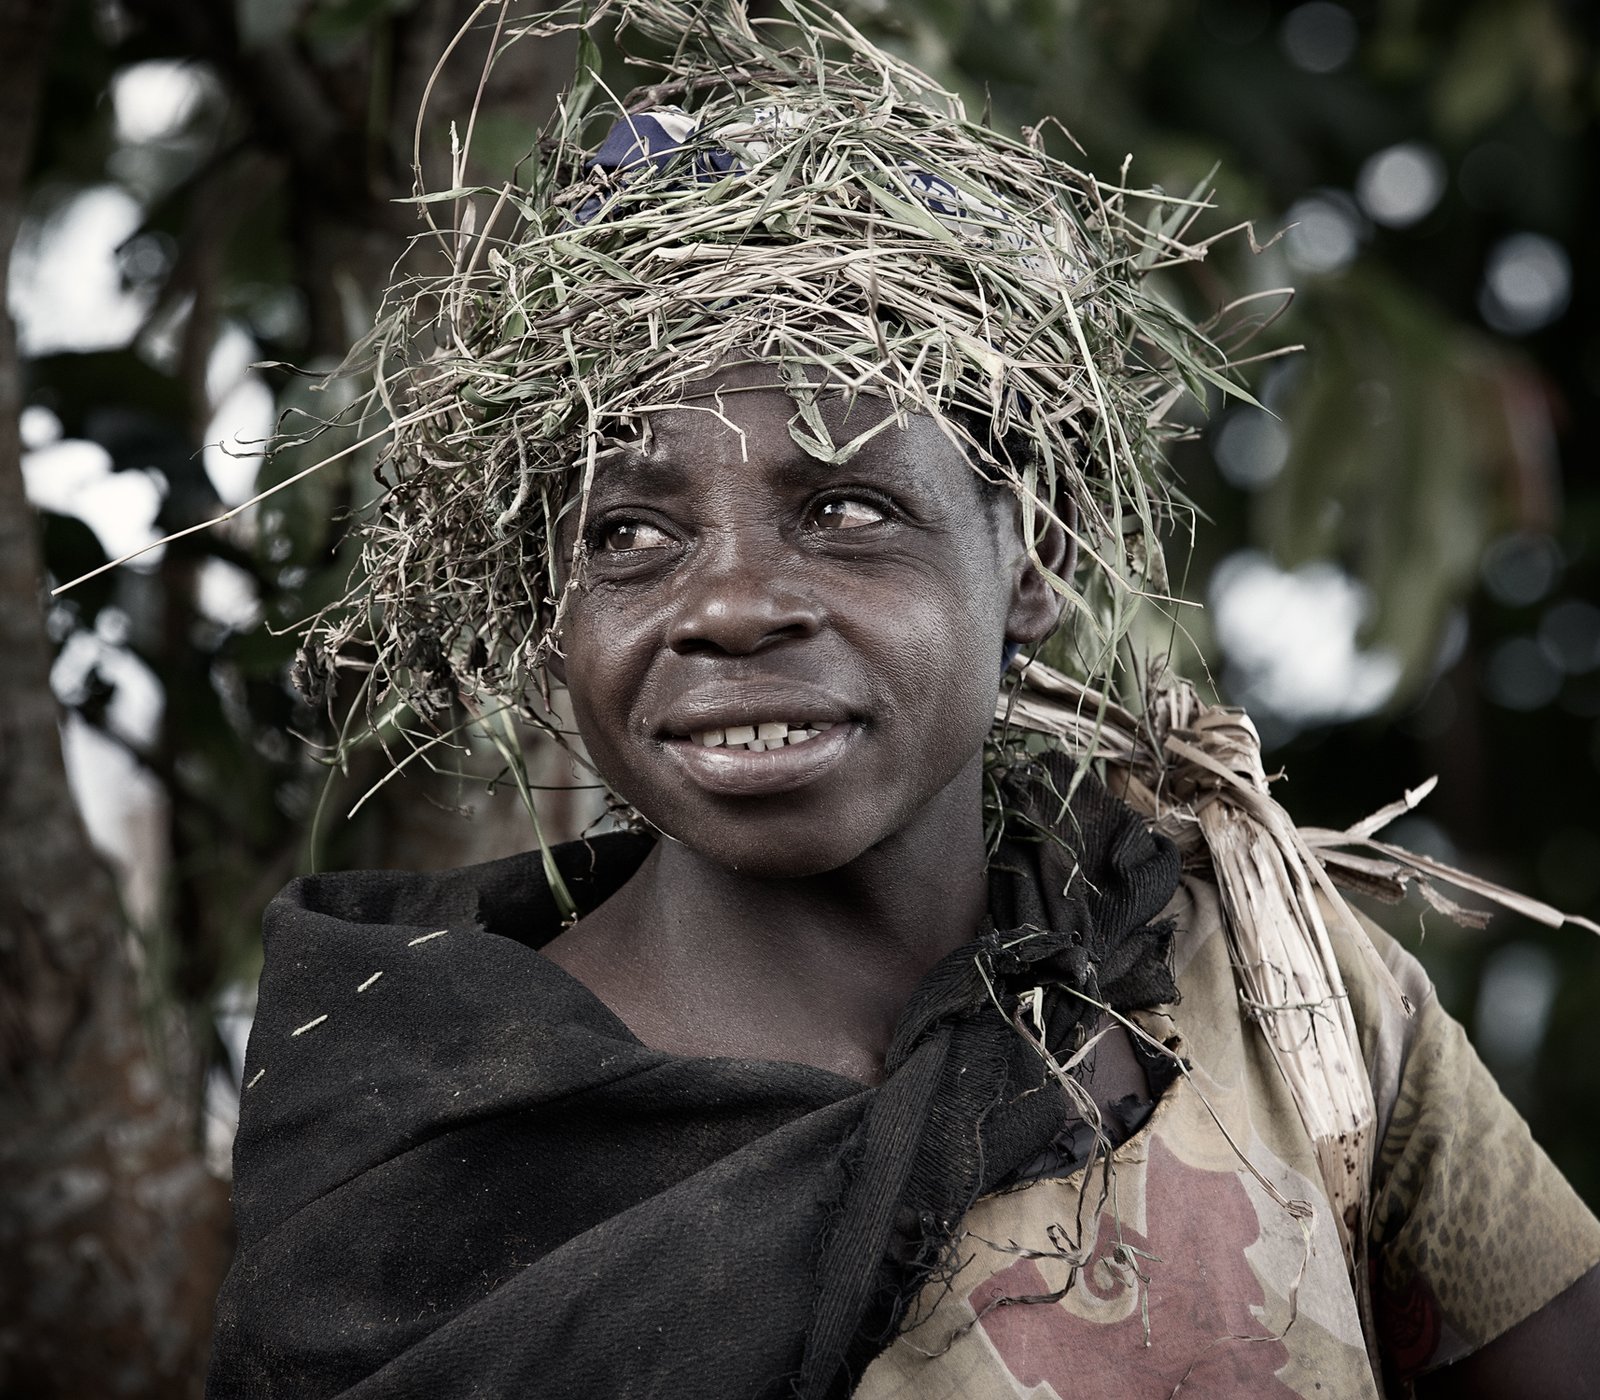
[112,1234]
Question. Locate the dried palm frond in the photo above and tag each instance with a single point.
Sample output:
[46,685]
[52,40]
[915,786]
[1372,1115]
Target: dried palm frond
[1194,772]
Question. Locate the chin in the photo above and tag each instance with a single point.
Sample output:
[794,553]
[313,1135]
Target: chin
[773,857]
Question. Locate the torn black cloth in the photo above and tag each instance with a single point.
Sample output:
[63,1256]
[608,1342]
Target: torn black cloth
[458,1173]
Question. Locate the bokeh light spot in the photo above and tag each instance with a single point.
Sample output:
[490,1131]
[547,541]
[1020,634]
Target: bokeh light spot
[1290,638]
[1250,447]
[1324,232]
[1514,1000]
[1520,675]
[1402,185]
[74,477]
[1570,633]
[1527,283]
[39,427]
[156,99]
[1319,37]
[1520,568]
[67,290]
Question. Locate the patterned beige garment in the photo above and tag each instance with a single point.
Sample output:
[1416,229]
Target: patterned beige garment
[1179,1266]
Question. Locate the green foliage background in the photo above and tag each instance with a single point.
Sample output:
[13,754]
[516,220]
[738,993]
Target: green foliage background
[1422,442]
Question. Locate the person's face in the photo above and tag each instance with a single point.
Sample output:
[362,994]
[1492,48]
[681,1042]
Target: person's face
[853,616]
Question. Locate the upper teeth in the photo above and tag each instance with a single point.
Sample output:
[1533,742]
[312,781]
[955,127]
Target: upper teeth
[773,734]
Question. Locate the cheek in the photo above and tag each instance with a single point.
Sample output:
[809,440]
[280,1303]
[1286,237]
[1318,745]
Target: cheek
[948,639]
[919,642]
[605,667]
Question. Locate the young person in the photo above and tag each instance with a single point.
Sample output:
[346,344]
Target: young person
[890,1053]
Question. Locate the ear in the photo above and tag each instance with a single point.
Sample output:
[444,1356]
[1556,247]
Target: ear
[1035,605]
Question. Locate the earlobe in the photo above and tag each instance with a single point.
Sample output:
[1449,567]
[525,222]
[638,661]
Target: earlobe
[1035,603]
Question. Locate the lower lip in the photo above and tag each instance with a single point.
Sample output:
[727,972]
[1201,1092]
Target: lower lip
[732,772]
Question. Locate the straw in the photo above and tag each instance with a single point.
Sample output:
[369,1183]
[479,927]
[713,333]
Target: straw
[1009,303]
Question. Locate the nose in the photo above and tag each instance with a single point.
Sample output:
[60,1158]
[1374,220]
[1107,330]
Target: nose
[735,599]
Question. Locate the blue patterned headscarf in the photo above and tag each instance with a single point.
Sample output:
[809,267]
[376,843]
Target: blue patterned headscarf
[648,142]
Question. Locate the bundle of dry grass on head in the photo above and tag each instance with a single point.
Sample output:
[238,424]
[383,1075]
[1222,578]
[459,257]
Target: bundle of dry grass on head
[829,210]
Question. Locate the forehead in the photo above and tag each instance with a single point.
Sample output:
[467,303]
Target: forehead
[743,422]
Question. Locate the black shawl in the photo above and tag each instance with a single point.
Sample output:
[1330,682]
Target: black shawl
[464,1176]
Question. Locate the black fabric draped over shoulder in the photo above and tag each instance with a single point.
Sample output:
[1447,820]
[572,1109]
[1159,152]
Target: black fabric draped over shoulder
[458,1173]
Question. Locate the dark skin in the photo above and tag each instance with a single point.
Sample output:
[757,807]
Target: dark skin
[1553,1355]
[804,893]
[738,579]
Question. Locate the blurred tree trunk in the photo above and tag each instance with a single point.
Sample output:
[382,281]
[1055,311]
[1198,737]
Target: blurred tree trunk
[113,1237]
[112,1234]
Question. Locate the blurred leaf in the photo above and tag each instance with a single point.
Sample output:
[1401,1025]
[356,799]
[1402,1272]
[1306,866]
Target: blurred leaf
[1503,49]
[301,525]
[1480,77]
[79,386]
[1401,461]
[71,549]
[262,23]
[338,22]
[140,416]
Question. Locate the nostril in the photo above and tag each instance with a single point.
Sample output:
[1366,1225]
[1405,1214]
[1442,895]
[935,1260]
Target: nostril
[742,621]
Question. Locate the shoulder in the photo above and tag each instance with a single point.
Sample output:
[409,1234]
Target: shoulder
[1388,991]
[511,897]
[394,1003]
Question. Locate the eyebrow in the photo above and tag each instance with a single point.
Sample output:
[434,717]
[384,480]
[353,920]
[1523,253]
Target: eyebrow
[639,472]
[664,472]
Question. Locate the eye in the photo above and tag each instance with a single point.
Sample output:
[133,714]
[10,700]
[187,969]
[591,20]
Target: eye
[628,536]
[846,513]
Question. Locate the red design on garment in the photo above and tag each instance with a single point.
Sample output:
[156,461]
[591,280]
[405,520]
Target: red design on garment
[1200,1288]
[1409,1325]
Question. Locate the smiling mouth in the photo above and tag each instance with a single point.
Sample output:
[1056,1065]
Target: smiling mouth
[762,758]
[759,737]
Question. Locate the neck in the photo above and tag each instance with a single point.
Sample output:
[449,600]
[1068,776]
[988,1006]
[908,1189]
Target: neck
[894,910]
[818,968]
